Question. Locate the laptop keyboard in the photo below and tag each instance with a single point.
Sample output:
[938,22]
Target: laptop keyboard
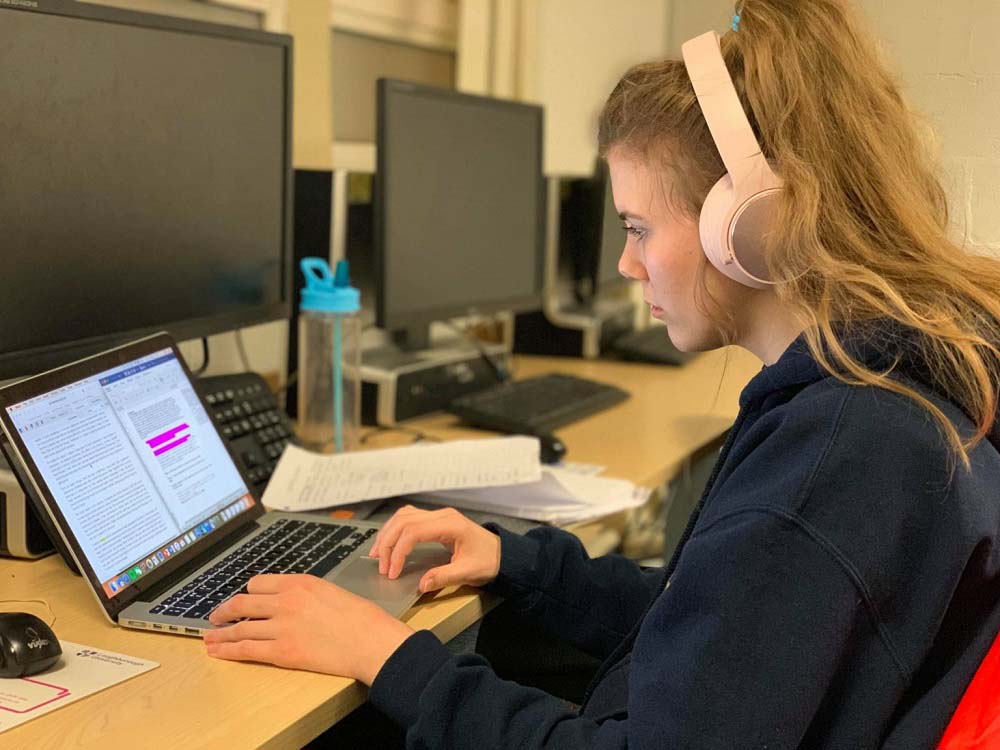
[286,546]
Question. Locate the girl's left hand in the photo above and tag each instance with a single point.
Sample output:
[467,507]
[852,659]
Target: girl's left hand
[304,622]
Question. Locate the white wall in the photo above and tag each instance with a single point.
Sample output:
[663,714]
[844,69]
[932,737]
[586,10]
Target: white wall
[578,51]
[947,58]
[566,55]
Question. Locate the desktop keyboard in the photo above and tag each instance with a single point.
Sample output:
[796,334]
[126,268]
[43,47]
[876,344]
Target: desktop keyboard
[247,416]
[286,546]
[536,405]
[649,345]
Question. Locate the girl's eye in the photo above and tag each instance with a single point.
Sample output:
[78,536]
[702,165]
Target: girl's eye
[634,231]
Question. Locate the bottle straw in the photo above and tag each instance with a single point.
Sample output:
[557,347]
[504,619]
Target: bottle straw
[338,384]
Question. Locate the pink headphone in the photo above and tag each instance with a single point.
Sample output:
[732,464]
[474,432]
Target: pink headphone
[739,211]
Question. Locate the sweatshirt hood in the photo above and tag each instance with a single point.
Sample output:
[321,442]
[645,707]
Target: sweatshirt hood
[878,345]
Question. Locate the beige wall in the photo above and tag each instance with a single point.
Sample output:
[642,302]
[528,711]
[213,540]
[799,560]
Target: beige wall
[191,9]
[312,114]
[948,61]
[359,61]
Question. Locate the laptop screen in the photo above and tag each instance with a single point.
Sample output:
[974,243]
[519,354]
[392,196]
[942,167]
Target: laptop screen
[134,463]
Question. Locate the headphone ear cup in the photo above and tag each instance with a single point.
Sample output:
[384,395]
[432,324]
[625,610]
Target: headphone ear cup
[712,224]
[735,238]
[750,229]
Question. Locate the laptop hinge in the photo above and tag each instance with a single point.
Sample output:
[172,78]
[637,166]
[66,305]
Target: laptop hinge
[224,543]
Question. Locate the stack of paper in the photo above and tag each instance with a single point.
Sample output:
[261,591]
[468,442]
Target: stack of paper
[501,475]
[561,497]
[308,481]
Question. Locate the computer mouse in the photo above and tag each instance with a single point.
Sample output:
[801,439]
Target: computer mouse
[27,645]
[551,449]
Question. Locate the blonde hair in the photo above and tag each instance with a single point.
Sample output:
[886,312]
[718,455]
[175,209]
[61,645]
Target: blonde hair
[863,219]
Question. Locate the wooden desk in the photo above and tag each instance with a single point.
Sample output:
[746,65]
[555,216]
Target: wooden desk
[192,701]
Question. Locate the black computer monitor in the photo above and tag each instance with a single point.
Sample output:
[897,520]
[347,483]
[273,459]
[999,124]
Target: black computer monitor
[145,175]
[459,207]
[612,241]
[591,236]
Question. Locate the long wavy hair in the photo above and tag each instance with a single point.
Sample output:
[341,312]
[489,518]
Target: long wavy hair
[863,219]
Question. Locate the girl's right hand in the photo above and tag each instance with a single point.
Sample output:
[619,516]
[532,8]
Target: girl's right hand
[475,551]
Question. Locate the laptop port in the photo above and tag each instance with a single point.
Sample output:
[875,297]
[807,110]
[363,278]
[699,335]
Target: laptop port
[157,627]
[192,631]
[173,628]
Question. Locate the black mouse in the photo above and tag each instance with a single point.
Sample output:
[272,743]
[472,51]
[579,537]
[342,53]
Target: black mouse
[27,645]
[551,449]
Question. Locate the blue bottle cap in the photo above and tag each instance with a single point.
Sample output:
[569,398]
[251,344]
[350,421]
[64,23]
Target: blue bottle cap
[326,292]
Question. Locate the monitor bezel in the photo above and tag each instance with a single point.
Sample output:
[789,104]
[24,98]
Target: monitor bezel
[31,360]
[385,316]
[72,373]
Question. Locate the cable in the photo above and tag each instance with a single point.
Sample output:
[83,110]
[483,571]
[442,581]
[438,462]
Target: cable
[293,378]
[204,357]
[499,372]
[417,435]
[35,601]
[242,351]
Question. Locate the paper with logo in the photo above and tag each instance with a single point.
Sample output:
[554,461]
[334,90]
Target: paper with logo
[80,671]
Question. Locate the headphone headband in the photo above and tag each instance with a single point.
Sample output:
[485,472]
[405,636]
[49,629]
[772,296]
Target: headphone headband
[737,216]
[731,131]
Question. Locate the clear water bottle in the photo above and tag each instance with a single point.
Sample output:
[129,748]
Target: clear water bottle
[329,358]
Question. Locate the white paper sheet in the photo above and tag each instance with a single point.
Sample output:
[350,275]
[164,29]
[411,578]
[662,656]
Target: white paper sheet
[590,470]
[81,671]
[308,481]
[561,496]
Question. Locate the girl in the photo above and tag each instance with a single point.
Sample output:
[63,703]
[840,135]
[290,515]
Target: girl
[839,583]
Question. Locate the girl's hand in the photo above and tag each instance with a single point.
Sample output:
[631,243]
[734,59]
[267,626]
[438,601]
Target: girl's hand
[305,622]
[475,552]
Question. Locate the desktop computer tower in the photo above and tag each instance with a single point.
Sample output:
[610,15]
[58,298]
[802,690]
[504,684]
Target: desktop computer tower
[21,531]
[398,385]
[587,331]
[25,531]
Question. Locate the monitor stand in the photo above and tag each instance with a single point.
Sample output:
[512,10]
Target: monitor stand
[400,384]
[581,330]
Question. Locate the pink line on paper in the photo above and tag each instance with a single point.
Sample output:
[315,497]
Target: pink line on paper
[163,437]
[63,692]
[171,446]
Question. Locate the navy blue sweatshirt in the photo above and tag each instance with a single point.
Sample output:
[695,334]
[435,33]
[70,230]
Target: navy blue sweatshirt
[837,587]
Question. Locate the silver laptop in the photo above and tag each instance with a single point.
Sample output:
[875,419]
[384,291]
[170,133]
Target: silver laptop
[143,497]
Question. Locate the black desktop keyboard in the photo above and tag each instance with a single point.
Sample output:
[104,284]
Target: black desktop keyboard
[247,415]
[286,546]
[649,345]
[536,405]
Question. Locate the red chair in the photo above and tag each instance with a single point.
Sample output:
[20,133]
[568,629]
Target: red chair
[976,723]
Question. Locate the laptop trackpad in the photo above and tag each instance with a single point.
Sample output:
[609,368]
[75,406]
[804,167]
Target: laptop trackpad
[361,577]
